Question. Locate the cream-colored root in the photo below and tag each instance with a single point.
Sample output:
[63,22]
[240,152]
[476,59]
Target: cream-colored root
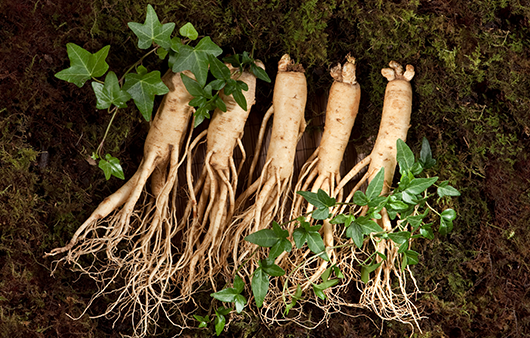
[131,247]
[322,171]
[380,294]
[270,190]
[205,219]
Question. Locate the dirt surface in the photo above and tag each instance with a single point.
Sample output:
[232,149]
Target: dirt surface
[472,61]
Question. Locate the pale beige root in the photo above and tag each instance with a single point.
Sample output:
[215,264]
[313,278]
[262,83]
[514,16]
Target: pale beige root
[205,219]
[132,245]
[271,188]
[389,302]
[321,171]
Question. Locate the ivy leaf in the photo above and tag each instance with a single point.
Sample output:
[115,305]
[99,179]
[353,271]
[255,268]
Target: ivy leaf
[446,221]
[400,237]
[152,31]
[419,185]
[143,87]
[446,190]
[404,156]
[325,198]
[270,268]
[189,31]
[219,323]
[365,271]
[299,237]
[218,69]
[320,214]
[278,248]
[204,321]
[110,93]
[312,198]
[316,244]
[360,198]
[367,225]
[240,301]
[264,238]
[426,231]
[196,59]
[426,155]
[195,89]
[111,167]
[412,257]
[83,64]
[260,73]
[376,185]
[297,296]
[260,286]
[355,232]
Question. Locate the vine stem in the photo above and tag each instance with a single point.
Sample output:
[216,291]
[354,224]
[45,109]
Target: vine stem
[113,111]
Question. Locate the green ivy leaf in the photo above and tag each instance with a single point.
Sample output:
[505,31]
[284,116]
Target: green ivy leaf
[426,231]
[400,237]
[218,69]
[264,238]
[366,270]
[196,59]
[189,31]
[195,90]
[446,190]
[260,73]
[297,296]
[360,198]
[270,268]
[219,323]
[260,286]
[419,185]
[320,214]
[240,301]
[299,237]
[404,156]
[240,98]
[312,198]
[446,221]
[111,167]
[316,244]
[376,185]
[426,155]
[152,31]
[355,232]
[143,87]
[412,257]
[110,93]
[83,64]
[325,198]
[203,321]
[367,225]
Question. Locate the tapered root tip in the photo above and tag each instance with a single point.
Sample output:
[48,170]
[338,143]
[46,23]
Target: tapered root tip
[396,72]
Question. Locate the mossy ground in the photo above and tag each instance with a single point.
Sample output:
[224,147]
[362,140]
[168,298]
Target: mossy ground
[472,61]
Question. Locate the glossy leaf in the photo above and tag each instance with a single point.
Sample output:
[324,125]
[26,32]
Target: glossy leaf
[425,155]
[376,185]
[152,31]
[404,156]
[143,87]
[196,59]
[419,185]
[110,93]
[260,286]
[264,238]
[111,167]
[83,64]
[189,31]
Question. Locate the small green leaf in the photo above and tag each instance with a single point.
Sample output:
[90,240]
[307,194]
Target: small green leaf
[152,31]
[162,53]
[143,87]
[415,221]
[376,185]
[412,257]
[446,190]
[278,248]
[189,31]
[367,225]
[193,87]
[448,214]
[355,232]
[240,302]
[240,98]
[279,231]
[270,268]
[200,114]
[320,214]
[325,198]
[311,198]
[260,73]
[404,156]
[426,231]
[425,155]
[203,321]
[196,59]
[239,284]
[260,286]
[219,323]
[366,270]
[264,238]
[318,292]
[111,167]
[325,275]
[83,64]
[218,69]
[227,295]
[338,273]
[297,296]
[419,185]
[400,237]
[299,237]
[316,244]
[110,93]
[360,198]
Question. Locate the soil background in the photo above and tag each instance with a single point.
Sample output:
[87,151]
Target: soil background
[472,61]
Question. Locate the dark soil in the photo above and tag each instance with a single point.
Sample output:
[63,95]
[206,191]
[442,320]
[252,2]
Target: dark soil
[472,61]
